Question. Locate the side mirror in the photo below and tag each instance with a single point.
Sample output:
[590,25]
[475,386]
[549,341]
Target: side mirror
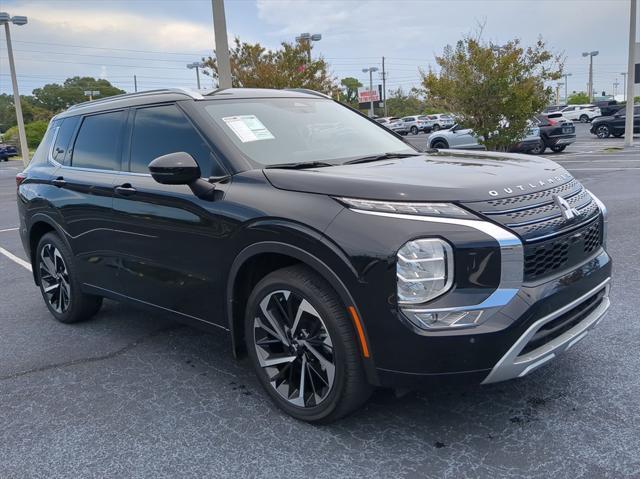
[181,169]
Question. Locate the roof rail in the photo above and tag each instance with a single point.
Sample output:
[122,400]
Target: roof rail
[194,94]
[310,92]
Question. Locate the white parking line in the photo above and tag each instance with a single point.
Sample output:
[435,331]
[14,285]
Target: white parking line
[15,259]
[597,161]
[607,169]
[9,229]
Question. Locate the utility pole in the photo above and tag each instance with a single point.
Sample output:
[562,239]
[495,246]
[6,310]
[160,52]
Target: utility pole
[196,66]
[624,85]
[384,89]
[615,88]
[590,87]
[566,82]
[628,124]
[135,84]
[16,20]
[558,92]
[222,45]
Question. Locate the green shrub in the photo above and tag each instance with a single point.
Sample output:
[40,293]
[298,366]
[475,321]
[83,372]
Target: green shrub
[35,132]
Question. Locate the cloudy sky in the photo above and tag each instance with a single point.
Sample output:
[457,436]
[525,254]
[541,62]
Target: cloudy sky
[155,39]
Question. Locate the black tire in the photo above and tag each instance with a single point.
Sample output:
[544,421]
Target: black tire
[558,148]
[618,135]
[584,119]
[414,130]
[78,305]
[539,149]
[436,127]
[440,144]
[341,391]
[603,131]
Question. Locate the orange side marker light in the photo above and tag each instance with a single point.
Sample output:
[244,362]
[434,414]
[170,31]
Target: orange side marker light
[358,325]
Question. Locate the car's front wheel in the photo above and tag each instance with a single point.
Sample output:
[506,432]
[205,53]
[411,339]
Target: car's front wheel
[414,130]
[439,145]
[558,148]
[436,127]
[603,131]
[584,118]
[59,282]
[303,346]
[539,148]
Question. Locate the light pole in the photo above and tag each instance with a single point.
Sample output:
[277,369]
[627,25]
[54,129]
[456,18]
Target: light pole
[590,55]
[628,124]
[558,92]
[624,85]
[197,66]
[370,70]
[5,18]
[222,44]
[307,38]
[566,82]
[615,88]
[91,94]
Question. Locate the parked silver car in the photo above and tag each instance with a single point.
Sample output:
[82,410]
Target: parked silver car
[465,139]
[417,123]
[440,121]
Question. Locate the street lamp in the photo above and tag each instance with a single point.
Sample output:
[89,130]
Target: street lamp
[5,18]
[566,76]
[370,70]
[307,38]
[197,66]
[590,55]
[558,92]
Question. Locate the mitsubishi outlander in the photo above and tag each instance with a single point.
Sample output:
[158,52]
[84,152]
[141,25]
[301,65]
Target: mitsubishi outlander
[336,256]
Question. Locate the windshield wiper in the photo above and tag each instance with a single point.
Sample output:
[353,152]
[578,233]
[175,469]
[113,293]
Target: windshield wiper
[301,165]
[384,156]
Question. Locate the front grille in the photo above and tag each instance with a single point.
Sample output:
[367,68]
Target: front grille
[563,323]
[551,243]
[546,257]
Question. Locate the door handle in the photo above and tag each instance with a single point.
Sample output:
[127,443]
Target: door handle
[59,182]
[125,189]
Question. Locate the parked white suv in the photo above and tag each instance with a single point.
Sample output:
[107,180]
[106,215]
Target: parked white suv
[582,113]
[417,123]
[440,121]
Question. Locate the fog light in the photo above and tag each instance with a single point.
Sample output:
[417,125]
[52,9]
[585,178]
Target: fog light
[444,320]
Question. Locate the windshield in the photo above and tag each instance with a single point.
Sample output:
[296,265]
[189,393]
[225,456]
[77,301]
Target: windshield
[274,131]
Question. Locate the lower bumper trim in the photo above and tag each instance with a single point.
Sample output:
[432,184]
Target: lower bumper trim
[513,364]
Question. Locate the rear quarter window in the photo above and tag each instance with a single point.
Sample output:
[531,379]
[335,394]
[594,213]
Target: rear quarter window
[97,145]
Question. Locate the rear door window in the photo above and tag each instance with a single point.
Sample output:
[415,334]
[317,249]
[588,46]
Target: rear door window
[160,130]
[97,143]
[60,152]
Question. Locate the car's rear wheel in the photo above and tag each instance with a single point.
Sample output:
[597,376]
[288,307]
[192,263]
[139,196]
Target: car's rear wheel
[603,131]
[539,149]
[436,127]
[303,346]
[59,283]
[584,118]
[440,145]
[558,148]
[618,135]
[414,130]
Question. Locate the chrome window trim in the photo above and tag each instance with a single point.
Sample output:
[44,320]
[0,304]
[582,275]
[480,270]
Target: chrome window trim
[511,264]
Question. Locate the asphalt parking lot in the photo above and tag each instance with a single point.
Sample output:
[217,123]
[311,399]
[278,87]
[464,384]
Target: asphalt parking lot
[131,394]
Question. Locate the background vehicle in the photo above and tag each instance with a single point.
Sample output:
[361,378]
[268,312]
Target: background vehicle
[7,151]
[394,124]
[555,132]
[552,108]
[606,126]
[609,107]
[417,123]
[465,139]
[336,256]
[582,113]
[440,121]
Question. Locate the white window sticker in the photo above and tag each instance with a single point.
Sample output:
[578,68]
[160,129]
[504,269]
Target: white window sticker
[248,128]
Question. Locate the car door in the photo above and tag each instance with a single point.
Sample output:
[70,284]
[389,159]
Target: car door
[464,138]
[169,241]
[88,150]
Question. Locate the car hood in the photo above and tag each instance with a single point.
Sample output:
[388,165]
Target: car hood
[451,175]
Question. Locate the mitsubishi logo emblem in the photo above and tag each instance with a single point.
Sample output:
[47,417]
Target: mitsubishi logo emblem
[568,213]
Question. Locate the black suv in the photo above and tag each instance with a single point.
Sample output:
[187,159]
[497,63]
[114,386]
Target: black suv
[335,255]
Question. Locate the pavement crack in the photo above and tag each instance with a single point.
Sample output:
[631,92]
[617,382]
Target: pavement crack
[93,359]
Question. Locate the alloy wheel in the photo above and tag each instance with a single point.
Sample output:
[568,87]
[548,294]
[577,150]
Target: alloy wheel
[54,278]
[602,131]
[294,348]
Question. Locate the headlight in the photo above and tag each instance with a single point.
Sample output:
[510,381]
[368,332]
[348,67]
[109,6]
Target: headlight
[421,209]
[424,270]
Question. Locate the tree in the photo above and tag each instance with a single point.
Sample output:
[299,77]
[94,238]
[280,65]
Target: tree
[34,131]
[54,97]
[30,111]
[493,89]
[254,66]
[402,104]
[579,98]
[349,94]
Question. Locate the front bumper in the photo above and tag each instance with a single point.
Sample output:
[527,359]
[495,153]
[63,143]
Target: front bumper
[542,321]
